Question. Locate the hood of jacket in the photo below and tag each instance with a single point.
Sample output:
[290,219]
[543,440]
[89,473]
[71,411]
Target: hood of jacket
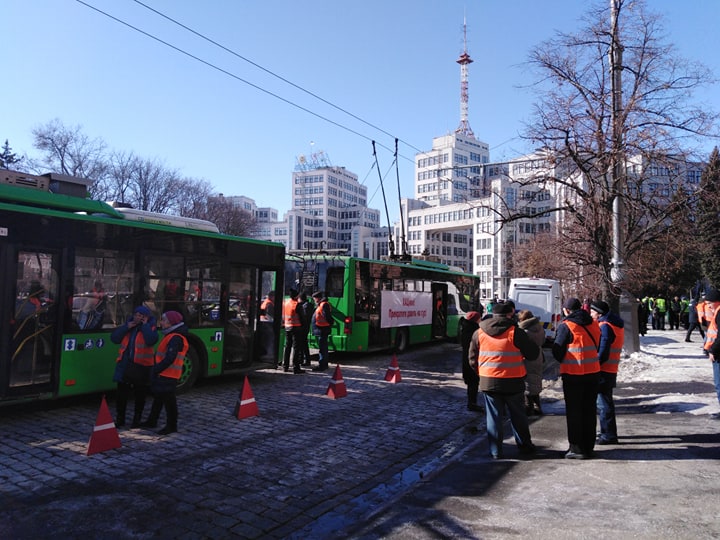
[496,325]
[527,323]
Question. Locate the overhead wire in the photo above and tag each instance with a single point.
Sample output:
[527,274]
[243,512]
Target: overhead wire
[257,87]
[229,74]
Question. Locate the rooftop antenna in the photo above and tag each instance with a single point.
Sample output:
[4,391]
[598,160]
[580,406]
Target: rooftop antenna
[464,127]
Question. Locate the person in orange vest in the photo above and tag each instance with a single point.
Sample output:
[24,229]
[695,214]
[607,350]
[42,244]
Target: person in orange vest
[292,320]
[712,344]
[321,323]
[612,337]
[496,350]
[169,362]
[266,332]
[135,357]
[576,348]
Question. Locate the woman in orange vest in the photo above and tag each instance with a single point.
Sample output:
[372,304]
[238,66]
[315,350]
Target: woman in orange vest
[135,357]
[169,361]
[497,349]
[576,348]
[612,338]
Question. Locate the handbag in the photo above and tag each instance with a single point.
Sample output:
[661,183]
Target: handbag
[136,374]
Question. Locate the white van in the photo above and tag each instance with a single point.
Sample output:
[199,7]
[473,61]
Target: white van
[542,297]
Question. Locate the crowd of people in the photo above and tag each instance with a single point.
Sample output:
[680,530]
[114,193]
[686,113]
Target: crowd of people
[502,359]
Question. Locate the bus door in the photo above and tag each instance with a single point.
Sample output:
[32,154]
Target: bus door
[242,316]
[439,315]
[379,335]
[30,337]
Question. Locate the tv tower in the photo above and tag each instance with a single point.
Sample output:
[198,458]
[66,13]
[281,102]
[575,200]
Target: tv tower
[464,127]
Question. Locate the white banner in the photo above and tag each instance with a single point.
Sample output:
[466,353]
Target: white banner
[405,309]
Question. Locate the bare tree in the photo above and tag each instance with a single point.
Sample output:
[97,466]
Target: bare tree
[69,151]
[229,218]
[573,122]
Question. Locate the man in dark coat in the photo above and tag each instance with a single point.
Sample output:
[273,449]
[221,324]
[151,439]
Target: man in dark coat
[466,328]
[497,349]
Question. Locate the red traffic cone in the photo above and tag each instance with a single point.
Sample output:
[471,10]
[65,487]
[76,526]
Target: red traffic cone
[105,435]
[336,388]
[393,373]
[246,405]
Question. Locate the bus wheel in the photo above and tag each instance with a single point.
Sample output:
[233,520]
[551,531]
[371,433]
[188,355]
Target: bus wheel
[191,370]
[402,340]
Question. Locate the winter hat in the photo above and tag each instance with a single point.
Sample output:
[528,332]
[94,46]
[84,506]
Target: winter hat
[601,307]
[572,304]
[173,317]
[143,310]
[503,308]
[473,316]
[713,295]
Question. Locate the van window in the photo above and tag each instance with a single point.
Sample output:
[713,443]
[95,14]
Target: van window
[535,301]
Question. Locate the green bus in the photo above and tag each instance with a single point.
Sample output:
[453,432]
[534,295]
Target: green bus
[380,305]
[74,269]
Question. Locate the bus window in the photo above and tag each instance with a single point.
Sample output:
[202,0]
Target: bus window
[200,301]
[335,282]
[102,289]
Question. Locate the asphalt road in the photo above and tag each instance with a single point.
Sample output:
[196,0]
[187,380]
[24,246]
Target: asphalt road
[399,461]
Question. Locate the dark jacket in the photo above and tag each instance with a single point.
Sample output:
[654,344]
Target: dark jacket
[563,336]
[496,326]
[466,329]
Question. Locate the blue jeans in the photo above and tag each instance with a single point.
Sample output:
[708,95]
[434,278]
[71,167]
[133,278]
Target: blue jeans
[322,340]
[716,377]
[606,406]
[495,404]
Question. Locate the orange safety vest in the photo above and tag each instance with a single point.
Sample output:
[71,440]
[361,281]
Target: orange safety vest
[291,318]
[613,361]
[174,370]
[144,353]
[320,320]
[582,355]
[700,310]
[708,311]
[267,306]
[711,332]
[498,357]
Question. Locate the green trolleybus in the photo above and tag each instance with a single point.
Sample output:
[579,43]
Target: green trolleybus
[384,304]
[73,269]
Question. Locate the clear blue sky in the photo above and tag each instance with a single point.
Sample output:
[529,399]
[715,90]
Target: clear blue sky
[388,62]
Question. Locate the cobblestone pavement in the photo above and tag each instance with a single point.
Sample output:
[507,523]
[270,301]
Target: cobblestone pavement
[308,466]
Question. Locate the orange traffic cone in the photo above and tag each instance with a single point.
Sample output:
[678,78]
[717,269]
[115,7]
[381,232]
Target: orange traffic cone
[246,405]
[336,388]
[105,435]
[393,373]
